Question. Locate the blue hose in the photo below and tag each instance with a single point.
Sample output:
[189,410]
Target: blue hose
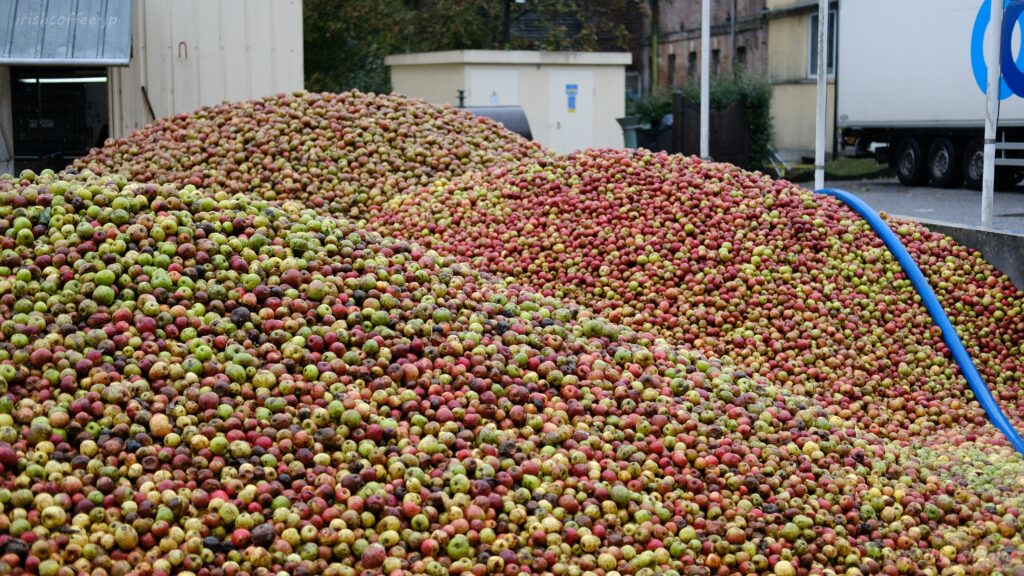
[967,368]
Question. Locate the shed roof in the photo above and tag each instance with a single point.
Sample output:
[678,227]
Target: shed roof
[511,57]
[65,32]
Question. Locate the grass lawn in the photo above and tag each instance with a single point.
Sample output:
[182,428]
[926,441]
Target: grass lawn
[842,169]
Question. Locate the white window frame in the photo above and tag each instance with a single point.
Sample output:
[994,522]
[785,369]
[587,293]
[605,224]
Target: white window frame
[812,30]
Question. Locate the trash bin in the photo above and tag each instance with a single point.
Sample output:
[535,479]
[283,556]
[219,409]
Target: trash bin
[512,117]
[629,125]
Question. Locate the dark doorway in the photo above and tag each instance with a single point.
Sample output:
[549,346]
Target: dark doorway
[59,113]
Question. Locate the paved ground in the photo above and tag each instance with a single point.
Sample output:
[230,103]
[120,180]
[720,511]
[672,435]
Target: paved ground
[953,206]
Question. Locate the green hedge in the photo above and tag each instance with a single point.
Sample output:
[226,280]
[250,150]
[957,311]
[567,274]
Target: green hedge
[726,91]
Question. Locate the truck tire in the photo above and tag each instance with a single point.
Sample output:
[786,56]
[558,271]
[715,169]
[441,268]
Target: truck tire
[910,165]
[974,164]
[944,163]
[1007,177]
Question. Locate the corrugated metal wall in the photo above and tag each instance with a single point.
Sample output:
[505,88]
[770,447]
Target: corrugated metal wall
[56,32]
[192,53]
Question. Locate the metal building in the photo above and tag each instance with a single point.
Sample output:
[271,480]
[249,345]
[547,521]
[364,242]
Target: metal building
[74,72]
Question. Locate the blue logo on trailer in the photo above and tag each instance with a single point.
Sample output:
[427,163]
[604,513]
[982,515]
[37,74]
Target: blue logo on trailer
[571,90]
[1012,80]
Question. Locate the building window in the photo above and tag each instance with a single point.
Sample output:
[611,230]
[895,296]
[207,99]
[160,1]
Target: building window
[633,85]
[716,63]
[741,58]
[691,65]
[812,60]
[672,70]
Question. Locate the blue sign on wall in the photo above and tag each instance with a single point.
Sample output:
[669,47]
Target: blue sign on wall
[571,90]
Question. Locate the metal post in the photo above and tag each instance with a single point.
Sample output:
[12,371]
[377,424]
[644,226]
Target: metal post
[988,178]
[705,78]
[506,23]
[733,34]
[836,133]
[819,133]
[655,56]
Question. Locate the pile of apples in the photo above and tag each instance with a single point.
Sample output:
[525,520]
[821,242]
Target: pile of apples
[343,154]
[359,334]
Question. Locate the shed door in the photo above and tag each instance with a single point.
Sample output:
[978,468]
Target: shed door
[571,97]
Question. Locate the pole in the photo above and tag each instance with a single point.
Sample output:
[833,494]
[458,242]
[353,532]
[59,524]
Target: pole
[819,133]
[506,35]
[836,133]
[733,34]
[988,178]
[655,56]
[705,78]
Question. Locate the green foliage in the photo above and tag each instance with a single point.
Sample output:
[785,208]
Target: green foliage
[725,92]
[651,108]
[756,94]
[841,169]
[600,23]
[346,40]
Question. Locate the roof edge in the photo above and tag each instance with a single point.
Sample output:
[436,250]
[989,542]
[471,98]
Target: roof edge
[62,62]
[511,57]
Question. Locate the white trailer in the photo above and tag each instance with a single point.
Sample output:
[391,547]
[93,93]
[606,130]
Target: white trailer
[912,82]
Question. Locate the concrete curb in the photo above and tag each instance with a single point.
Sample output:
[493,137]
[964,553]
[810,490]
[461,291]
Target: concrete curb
[1004,250]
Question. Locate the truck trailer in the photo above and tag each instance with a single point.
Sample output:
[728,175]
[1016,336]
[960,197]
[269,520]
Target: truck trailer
[911,88]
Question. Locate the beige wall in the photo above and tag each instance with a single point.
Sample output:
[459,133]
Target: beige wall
[438,83]
[189,54]
[431,82]
[778,4]
[794,93]
[793,116]
[788,45]
[611,82]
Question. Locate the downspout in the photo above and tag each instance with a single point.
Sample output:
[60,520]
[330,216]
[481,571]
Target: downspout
[6,123]
[655,27]
[733,34]
[836,139]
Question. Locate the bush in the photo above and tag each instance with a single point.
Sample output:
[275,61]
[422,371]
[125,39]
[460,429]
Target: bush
[651,108]
[756,94]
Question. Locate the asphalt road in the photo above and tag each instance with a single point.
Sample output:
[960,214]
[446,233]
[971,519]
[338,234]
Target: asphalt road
[958,206]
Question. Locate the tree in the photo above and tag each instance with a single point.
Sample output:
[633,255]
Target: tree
[346,40]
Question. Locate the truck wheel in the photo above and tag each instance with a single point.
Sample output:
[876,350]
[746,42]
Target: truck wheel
[1007,177]
[974,164]
[910,167]
[944,167]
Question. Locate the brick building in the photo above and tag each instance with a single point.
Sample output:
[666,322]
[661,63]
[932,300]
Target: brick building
[739,39]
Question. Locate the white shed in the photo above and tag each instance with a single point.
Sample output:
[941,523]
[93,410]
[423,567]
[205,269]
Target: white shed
[73,72]
[571,99]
